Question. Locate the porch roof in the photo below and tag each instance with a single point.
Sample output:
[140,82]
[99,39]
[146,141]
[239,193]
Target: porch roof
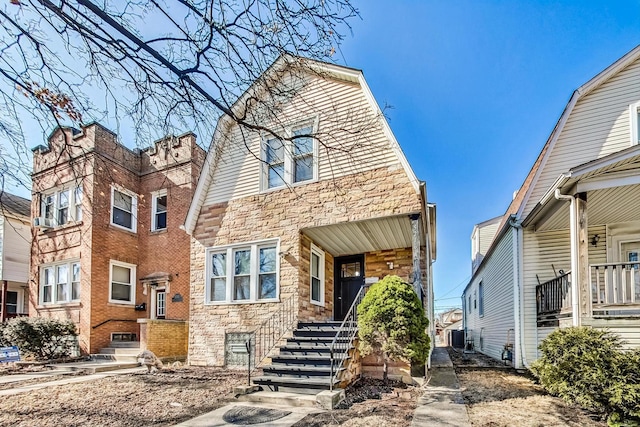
[612,178]
[376,234]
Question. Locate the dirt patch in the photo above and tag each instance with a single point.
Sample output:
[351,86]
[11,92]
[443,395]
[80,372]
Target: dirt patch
[497,397]
[370,402]
[162,399]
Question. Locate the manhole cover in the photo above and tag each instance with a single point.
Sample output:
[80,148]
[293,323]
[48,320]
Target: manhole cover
[246,415]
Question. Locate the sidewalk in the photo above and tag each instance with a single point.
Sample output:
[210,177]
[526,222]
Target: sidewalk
[442,403]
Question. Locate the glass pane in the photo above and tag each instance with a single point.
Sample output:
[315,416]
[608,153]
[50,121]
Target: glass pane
[267,286]
[274,151]
[12,297]
[122,218]
[63,274]
[46,294]
[121,274]
[219,263]
[48,276]
[242,262]
[161,204]
[315,289]
[63,200]
[267,260]
[122,201]
[241,287]
[303,168]
[351,269]
[78,201]
[218,289]
[276,175]
[315,264]
[75,290]
[303,145]
[638,122]
[75,272]
[120,292]
[161,221]
[62,292]
[62,215]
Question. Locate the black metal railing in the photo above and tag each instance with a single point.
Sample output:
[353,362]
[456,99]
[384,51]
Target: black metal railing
[271,331]
[339,348]
[552,297]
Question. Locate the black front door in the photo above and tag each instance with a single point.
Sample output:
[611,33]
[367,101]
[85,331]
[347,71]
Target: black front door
[349,277]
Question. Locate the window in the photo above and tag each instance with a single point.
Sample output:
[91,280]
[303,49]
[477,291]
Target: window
[124,207]
[243,273]
[481,299]
[291,161]
[317,275]
[475,299]
[159,211]
[634,120]
[60,282]
[62,206]
[470,306]
[122,282]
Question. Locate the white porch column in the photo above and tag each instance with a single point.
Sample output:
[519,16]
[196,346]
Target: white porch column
[580,298]
[415,249]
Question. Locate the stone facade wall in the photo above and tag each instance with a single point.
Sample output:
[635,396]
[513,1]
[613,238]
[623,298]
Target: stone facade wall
[100,163]
[282,215]
[165,338]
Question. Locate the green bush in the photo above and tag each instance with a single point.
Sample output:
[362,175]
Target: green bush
[42,338]
[588,367]
[391,321]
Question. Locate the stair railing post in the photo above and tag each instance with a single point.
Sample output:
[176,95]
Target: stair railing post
[248,345]
[331,369]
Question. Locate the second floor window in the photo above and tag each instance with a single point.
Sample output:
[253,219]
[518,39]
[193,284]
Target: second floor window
[124,207]
[292,161]
[159,211]
[62,206]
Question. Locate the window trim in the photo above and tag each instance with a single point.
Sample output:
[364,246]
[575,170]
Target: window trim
[132,290]
[69,263]
[321,255]
[289,157]
[154,209]
[254,274]
[634,135]
[134,208]
[72,203]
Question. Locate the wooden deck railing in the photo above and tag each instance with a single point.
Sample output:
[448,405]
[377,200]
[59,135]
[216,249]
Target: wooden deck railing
[553,300]
[615,289]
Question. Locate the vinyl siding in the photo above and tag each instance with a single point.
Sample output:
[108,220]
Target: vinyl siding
[544,251]
[627,329]
[598,126]
[351,139]
[16,249]
[496,276]
[486,237]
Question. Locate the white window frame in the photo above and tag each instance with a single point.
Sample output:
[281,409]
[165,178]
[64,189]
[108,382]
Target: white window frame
[289,157]
[132,284]
[634,110]
[134,208]
[254,275]
[73,213]
[54,285]
[154,209]
[321,260]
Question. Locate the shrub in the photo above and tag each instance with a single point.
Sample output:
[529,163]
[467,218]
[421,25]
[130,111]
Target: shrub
[391,321]
[40,337]
[588,367]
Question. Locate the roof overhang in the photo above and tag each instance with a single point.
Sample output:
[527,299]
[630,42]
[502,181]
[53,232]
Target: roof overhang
[355,237]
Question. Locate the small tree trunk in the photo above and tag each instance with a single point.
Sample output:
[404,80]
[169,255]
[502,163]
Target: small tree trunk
[384,368]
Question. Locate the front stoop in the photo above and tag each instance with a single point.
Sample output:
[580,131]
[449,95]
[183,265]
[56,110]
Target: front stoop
[303,363]
[119,351]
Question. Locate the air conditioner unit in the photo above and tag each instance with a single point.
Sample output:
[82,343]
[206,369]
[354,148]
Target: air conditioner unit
[42,222]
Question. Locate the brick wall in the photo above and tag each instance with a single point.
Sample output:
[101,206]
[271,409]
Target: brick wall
[165,338]
[282,215]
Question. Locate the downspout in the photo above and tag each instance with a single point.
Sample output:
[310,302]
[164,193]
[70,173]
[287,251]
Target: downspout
[518,265]
[575,302]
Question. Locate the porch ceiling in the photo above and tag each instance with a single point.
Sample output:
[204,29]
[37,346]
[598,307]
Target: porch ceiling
[348,238]
[606,206]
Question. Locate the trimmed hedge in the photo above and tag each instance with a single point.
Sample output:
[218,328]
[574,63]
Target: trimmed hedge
[39,337]
[588,367]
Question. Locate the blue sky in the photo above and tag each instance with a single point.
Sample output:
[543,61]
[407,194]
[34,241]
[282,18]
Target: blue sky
[476,89]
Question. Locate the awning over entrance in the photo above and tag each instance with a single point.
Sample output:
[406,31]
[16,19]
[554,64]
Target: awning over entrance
[370,235]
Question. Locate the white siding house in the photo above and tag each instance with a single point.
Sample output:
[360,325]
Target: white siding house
[15,244]
[575,257]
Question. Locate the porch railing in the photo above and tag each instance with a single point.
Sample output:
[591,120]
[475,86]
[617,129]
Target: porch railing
[615,288]
[271,331]
[553,300]
[339,348]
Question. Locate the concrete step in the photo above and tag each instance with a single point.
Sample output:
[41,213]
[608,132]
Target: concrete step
[300,385]
[297,359]
[300,371]
[120,351]
[280,398]
[125,344]
[123,358]
[92,367]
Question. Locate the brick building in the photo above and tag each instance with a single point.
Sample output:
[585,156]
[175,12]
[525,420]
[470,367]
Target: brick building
[107,248]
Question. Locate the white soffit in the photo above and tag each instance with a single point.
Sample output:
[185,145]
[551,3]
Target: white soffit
[348,238]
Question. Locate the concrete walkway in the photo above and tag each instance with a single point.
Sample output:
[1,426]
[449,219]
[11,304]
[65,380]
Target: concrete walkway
[442,404]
